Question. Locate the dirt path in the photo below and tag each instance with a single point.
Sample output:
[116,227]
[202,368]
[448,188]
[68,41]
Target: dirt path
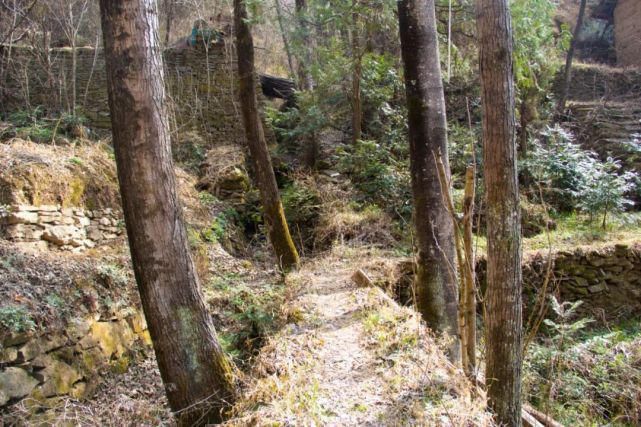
[353,357]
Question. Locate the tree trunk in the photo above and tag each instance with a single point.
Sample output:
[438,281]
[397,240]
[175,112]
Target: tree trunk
[503,297]
[436,284]
[470,276]
[169,9]
[74,72]
[288,51]
[306,82]
[278,230]
[357,71]
[198,377]
[567,75]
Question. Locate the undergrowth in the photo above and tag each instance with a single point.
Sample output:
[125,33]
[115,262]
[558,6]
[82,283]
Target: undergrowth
[585,377]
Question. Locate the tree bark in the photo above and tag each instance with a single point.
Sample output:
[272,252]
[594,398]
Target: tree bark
[278,230]
[198,377]
[503,297]
[567,75]
[357,71]
[288,51]
[306,82]
[169,9]
[436,283]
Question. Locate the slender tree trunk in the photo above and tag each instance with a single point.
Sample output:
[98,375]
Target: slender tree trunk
[503,297]
[169,9]
[74,68]
[264,173]
[288,51]
[436,283]
[567,75]
[470,277]
[197,376]
[357,71]
[306,81]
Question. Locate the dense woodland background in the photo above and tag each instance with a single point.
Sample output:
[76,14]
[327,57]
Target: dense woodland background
[345,212]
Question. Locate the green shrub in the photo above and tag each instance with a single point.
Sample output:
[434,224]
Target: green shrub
[112,274]
[603,190]
[382,179]
[585,378]
[16,318]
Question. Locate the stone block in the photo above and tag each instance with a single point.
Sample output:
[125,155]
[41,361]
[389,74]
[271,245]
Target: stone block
[8,355]
[94,233]
[59,379]
[48,208]
[15,383]
[598,288]
[61,234]
[113,338]
[22,217]
[105,221]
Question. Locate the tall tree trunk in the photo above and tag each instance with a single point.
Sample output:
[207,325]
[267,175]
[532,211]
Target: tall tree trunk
[567,75]
[306,81]
[198,377]
[357,71]
[169,9]
[288,50]
[436,284]
[265,179]
[504,323]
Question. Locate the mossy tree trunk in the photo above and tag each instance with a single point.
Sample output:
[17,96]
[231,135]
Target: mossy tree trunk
[197,376]
[436,282]
[504,327]
[264,177]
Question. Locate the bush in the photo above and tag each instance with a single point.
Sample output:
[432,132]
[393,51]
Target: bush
[603,191]
[16,318]
[585,380]
[573,178]
[381,178]
[301,202]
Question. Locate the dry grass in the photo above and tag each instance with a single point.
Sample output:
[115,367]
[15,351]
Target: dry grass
[354,357]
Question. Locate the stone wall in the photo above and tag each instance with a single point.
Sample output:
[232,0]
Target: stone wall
[627,32]
[67,363]
[607,280]
[202,86]
[55,227]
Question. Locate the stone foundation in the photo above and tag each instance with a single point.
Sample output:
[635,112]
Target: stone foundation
[67,363]
[54,227]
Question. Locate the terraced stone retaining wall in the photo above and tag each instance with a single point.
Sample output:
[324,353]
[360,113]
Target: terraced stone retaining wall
[607,280]
[201,86]
[55,227]
[67,363]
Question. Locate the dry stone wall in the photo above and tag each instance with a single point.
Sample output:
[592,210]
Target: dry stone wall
[201,83]
[607,280]
[67,363]
[55,227]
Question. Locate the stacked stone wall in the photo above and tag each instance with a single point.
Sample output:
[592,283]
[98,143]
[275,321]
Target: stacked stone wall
[55,227]
[67,363]
[202,86]
[607,280]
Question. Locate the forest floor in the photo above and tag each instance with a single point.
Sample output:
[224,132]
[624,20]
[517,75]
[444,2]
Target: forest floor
[352,356]
[348,355]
